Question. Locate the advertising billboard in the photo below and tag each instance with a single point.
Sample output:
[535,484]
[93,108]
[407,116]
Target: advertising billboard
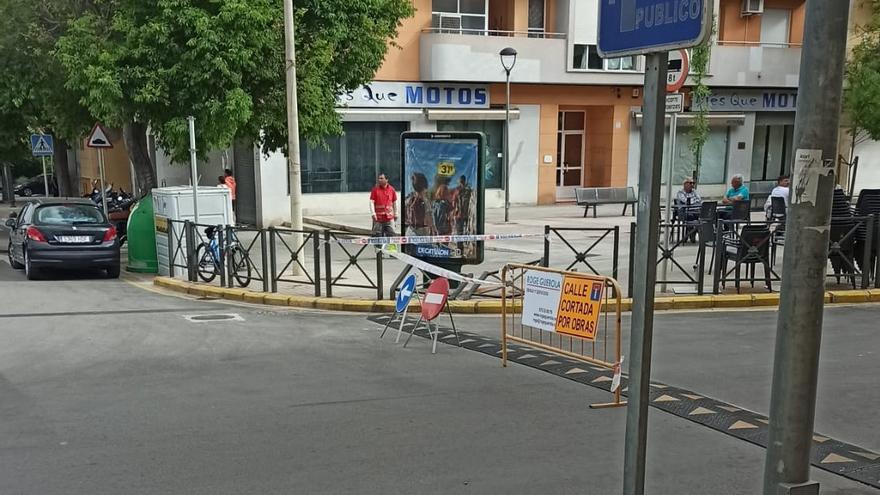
[442,176]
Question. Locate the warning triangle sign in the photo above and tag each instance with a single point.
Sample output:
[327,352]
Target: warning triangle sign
[98,138]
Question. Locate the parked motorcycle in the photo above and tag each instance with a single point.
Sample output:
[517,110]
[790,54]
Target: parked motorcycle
[119,205]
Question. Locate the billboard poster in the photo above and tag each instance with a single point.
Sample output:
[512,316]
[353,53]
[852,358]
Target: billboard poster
[442,186]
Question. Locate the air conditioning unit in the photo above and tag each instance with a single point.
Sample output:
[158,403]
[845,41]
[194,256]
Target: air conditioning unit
[442,23]
[752,7]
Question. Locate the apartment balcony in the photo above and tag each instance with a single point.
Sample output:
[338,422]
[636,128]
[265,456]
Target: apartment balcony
[472,56]
[755,65]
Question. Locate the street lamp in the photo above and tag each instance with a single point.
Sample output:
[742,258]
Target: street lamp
[508,60]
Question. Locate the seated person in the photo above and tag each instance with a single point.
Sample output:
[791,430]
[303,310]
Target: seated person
[688,196]
[780,191]
[737,192]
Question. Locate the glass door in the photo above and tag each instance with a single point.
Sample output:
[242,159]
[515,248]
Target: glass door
[570,155]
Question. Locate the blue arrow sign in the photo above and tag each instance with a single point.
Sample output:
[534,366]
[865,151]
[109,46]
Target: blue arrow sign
[637,27]
[42,145]
[407,289]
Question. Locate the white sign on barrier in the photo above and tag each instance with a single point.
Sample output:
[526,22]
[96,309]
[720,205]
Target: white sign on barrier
[541,299]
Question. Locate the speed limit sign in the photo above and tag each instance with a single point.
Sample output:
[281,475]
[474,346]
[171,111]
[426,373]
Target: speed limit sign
[678,71]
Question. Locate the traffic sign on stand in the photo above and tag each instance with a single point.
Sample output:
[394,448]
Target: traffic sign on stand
[404,295]
[435,300]
[42,145]
[98,138]
[638,27]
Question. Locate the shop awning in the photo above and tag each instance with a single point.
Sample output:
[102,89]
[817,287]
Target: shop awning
[715,119]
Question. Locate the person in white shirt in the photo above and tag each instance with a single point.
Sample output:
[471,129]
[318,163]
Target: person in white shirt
[688,196]
[782,190]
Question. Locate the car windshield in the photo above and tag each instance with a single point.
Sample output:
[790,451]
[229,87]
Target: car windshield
[68,215]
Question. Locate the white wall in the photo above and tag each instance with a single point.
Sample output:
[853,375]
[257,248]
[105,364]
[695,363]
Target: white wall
[273,202]
[524,135]
[868,175]
[170,173]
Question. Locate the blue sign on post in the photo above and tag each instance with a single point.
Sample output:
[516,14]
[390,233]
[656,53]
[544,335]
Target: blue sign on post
[407,289]
[42,145]
[637,27]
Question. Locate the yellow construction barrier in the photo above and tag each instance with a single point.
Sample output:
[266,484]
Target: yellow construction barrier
[564,313]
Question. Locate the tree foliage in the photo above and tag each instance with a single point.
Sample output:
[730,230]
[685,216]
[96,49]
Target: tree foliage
[700,92]
[153,64]
[862,93]
[149,64]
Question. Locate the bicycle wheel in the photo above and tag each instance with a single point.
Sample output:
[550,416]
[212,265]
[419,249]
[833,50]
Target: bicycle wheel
[241,267]
[207,267]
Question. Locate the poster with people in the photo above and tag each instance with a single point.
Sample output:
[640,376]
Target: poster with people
[443,194]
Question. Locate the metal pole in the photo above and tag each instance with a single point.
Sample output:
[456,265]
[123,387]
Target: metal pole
[293,163]
[645,269]
[45,178]
[103,186]
[507,151]
[194,168]
[799,325]
[667,232]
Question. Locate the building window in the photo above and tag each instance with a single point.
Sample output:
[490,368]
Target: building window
[351,162]
[713,168]
[494,132]
[460,16]
[536,18]
[586,57]
[771,153]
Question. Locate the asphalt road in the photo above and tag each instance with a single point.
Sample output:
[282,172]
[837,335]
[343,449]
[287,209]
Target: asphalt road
[106,388]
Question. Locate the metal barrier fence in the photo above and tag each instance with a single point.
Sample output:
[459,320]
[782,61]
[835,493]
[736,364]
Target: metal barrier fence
[581,256]
[679,234]
[295,256]
[554,338]
[354,260]
[241,256]
[178,233]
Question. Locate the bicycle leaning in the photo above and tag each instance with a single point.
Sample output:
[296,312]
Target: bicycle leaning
[211,261]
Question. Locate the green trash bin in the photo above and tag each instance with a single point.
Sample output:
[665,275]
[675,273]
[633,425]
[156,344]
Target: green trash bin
[142,238]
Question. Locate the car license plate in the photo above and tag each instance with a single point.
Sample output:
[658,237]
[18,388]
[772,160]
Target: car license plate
[75,239]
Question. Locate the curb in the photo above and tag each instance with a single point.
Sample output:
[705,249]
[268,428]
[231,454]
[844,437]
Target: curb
[494,306]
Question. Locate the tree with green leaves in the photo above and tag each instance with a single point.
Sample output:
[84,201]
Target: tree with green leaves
[149,65]
[862,92]
[33,97]
[700,92]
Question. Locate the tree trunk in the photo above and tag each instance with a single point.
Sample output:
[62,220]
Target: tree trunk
[135,134]
[66,186]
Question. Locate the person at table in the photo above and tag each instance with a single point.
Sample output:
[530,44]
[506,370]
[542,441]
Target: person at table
[782,190]
[737,192]
[686,199]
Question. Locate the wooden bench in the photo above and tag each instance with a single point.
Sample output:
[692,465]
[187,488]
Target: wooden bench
[595,196]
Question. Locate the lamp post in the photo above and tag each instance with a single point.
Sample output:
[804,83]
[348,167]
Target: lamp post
[508,60]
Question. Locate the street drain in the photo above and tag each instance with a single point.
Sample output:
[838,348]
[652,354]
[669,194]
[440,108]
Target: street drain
[213,318]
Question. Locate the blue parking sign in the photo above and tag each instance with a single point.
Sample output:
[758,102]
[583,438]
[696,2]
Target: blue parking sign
[407,289]
[637,27]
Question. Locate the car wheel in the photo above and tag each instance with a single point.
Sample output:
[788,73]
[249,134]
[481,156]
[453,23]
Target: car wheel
[113,272]
[12,262]
[30,272]
[27,192]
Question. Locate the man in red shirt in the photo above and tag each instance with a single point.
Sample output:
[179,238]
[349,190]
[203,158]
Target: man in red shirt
[230,183]
[383,207]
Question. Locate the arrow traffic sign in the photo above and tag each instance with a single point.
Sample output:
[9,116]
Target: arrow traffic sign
[407,289]
[98,138]
[42,145]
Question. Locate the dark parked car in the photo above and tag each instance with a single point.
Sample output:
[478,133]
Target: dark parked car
[35,186]
[55,233]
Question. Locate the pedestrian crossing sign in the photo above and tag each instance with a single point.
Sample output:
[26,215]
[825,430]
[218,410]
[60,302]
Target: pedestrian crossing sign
[42,145]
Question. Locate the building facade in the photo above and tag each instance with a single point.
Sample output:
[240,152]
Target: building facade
[575,117]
